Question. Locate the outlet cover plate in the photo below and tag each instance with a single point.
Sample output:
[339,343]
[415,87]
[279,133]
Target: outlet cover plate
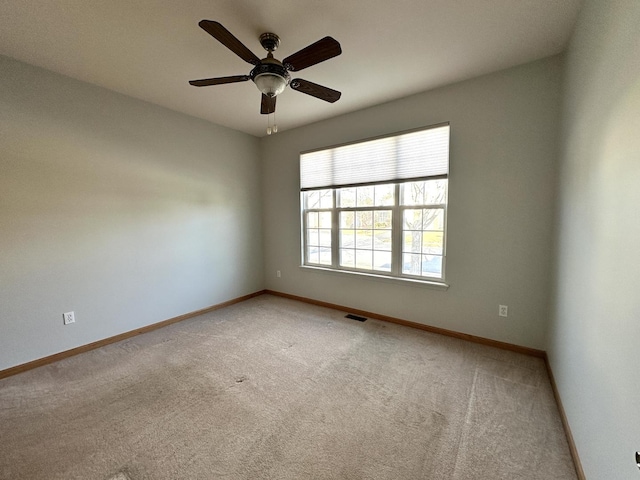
[503,310]
[68,318]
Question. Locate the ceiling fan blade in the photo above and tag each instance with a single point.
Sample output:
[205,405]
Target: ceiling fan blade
[219,81]
[268,105]
[315,90]
[320,51]
[226,38]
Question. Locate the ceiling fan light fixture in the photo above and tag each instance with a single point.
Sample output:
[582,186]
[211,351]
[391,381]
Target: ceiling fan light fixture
[271,84]
[270,77]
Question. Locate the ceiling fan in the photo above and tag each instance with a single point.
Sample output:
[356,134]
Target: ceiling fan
[270,75]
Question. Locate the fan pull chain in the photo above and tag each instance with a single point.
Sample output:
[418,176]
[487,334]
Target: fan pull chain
[271,129]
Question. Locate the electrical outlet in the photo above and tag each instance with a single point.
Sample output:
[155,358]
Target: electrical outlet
[278,273]
[68,318]
[503,310]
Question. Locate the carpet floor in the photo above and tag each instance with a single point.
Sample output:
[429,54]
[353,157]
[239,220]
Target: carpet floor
[271,388]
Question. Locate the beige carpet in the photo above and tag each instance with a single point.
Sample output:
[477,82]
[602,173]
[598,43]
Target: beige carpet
[275,389]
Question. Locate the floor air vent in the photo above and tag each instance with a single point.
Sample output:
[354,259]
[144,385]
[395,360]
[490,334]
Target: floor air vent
[355,317]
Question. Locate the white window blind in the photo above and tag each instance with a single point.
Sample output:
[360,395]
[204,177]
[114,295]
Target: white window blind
[408,156]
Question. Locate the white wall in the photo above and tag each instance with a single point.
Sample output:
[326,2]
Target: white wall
[594,338]
[124,212]
[502,194]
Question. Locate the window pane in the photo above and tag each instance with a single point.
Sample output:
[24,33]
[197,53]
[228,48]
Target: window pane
[347,238]
[432,242]
[347,219]
[347,197]
[413,219]
[312,199]
[325,219]
[413,193]
[382,240]
[313,255]
[326,198]
[364,219]
[384,195]
[382,261]
[347,258]
[432,265]
[365,196]
[433,219]
[424,192]
[313,237]
[318,199]
[325,237]
[411,264]
[364,239]
[325,256]
[435,191]
[312,220]
[364,259]
[382,219]
[411,242]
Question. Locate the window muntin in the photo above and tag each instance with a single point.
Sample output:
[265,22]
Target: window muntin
[395,228]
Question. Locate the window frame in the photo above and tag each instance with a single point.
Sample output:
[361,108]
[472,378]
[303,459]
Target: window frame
[397,209]
[397,230]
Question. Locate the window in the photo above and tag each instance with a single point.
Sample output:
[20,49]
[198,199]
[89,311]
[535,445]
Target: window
[378,206]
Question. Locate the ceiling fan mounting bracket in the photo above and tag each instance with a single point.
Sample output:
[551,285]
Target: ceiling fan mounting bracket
[269,41]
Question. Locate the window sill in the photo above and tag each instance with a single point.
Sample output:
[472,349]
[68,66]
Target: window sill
[436,285]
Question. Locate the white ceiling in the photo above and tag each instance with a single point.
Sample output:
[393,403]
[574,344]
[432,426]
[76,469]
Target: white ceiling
[149,49]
